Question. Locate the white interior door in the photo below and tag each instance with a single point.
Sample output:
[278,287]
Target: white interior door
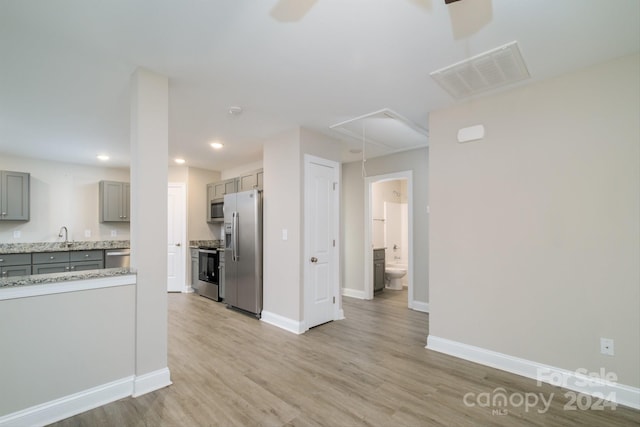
[176,238]
[321,240]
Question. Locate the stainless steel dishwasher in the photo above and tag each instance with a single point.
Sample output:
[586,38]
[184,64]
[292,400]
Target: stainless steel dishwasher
[116,258]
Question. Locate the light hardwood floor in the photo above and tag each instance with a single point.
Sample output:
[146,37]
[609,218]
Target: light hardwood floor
[229,369]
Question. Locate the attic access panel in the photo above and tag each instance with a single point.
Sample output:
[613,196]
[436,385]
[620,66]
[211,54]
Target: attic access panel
[386,129]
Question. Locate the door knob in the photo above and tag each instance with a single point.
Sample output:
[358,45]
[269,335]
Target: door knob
[177,244]
[314,259]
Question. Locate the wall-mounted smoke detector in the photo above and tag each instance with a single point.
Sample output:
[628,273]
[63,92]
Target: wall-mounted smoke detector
[489,70]
[235,111]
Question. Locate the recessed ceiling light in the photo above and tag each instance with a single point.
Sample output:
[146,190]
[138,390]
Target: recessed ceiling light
[217,145]
[102,157]
[180,161]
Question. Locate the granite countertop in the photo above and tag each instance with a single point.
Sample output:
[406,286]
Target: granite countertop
[41,279]
[21,248]
[206,243]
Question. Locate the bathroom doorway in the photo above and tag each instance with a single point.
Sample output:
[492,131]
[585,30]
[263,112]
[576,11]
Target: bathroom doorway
[389,225]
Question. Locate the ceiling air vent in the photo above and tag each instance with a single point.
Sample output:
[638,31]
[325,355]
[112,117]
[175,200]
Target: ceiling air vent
[498,67]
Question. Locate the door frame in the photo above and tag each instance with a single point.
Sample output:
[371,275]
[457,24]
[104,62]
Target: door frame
[368,230]
[183,210]
[335,258]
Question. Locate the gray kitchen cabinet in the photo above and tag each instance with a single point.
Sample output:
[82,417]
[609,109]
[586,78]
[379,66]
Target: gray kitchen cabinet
[50,262]
[224,187]
[114,201]
[86,265]
[216,191]
[51,257]
[15,270]
[259,178]
[250,180]
[15,265]
[194,268]
[210,197]
[88,255]
[60,267]
[58,262]
[14,196]
[378,269]
[86,260]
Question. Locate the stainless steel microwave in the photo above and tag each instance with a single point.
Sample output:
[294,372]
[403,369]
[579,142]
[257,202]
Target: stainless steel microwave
[217,210]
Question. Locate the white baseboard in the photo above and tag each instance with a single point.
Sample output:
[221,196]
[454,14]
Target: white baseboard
[419,306]
[74,404]
[151,381]
[354,293]
[591,385]
[68,406]
[283,322]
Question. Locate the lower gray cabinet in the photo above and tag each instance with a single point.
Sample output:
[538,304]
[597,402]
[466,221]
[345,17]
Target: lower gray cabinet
[59,262]
[50,262]
[53,262]
[221,288]
[194,268]
[86,265]
[15,265]
[86,260]
[16,270]
[59,267]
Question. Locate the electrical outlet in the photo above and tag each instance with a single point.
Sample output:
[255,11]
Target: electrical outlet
[87,233]
[606,346]
[17,234]
[114,233]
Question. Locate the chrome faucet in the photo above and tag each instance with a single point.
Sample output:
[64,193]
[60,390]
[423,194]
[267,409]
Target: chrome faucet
[66,233]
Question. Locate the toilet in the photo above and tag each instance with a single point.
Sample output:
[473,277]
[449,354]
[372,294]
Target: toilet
[393,275]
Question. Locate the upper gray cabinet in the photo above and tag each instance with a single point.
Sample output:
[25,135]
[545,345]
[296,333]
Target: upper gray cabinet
[223,187]
[114,201]
[250,180]
[14,196]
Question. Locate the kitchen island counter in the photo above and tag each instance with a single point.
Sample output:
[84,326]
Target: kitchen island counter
[54,283]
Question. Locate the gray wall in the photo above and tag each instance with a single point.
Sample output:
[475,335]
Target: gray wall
[283,209]
[282,283]
[57,345]
[535,238]
[353,214]
[149,173]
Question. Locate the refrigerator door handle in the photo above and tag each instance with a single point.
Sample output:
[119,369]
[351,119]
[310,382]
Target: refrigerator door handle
[236,242]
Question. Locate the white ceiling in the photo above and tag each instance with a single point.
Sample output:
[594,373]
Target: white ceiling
[65,65]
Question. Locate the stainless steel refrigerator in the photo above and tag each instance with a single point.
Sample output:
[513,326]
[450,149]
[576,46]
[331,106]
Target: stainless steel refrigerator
[243,251]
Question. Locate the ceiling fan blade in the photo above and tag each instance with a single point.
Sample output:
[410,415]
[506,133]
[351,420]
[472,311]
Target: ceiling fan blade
[291,10]
[450,1]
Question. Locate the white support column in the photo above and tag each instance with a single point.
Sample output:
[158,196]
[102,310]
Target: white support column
[149,176]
